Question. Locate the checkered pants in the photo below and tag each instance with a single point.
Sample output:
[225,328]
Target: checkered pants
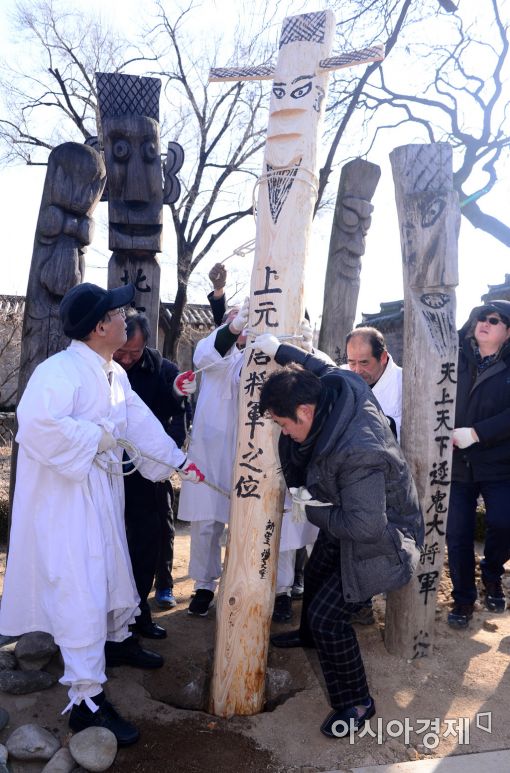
[325,618]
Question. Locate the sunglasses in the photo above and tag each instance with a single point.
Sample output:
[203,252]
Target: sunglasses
[491,320]
[121,310]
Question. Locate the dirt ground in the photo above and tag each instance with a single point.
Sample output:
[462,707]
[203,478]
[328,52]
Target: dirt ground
[467,676]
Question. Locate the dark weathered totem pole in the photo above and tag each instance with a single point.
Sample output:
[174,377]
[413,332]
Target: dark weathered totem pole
[74,183]
[351,222]
[129,110]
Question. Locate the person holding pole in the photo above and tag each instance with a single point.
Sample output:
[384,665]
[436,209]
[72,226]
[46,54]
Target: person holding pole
[481,460]
[344,467]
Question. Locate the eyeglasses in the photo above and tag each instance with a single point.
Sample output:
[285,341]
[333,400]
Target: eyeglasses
[491,320]
[121,311]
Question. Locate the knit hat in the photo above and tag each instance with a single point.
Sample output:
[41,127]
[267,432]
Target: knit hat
[84,305]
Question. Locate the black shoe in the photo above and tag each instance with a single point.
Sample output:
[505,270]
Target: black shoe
[200,603]
[82,717]
[129,653]
[290,639]
[282,611]
[298,587]
[460,615]
[340,724]
[494,597]
[150,630]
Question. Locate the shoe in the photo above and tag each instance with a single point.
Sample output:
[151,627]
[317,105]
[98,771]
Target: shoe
[290,639]
[282,611]
[364,615]
[82,717]
[460,615]
[165,599]
[200,603]
[298,588]
[150,630]
[494,597]
[129,653]
[340,724]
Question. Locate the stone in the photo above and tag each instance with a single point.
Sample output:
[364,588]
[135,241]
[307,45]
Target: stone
[35,650]
[4,720]
[21,682]
[15,766]
[3,754]
[278,685]
[61,762]
[190,688]
[7,661]
[94,748]
[32,743]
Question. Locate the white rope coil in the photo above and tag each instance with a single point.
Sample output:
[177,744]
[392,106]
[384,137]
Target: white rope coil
[313,182]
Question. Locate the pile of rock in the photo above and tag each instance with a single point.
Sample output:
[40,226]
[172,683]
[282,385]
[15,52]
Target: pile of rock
[31,748]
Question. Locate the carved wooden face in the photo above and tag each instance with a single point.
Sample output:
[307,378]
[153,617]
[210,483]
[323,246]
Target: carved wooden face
[135,195]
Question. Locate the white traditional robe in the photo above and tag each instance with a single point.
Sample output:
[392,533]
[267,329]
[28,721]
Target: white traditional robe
[388,391]
[68,560]
[213,441]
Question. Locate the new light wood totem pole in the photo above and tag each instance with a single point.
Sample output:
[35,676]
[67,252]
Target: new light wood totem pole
[286,197]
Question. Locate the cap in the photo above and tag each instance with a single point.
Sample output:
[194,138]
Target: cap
[84,305]
[501,307]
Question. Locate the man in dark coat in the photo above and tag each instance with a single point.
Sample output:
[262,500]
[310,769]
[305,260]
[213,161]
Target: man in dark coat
[481,460]
[148,511]
[342,463]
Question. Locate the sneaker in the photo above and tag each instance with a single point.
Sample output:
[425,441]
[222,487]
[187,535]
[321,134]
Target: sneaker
[494,597]
[282,611]
[165,599]
[460,615]
[364,615]
[200,603]
[82,717]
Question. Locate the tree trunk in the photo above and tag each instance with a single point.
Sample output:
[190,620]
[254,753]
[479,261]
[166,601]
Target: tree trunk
[174,327]
[429,218]
[351,222]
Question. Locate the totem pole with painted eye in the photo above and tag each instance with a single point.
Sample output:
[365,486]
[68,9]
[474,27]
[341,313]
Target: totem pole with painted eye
[129,110]
[286,197]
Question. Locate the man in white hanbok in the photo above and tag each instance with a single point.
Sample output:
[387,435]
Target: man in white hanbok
[68,571]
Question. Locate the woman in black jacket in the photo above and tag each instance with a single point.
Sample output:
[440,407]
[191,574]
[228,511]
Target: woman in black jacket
[481,460]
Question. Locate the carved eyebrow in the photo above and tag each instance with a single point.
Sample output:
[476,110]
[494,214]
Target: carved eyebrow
[281,83]
[302,78]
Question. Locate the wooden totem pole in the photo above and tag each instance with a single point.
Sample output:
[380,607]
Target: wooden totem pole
[351,222]
[286,199]
[129,109]
[429,217]
[74,182]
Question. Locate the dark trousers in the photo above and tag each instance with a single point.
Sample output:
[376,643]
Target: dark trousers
[460,535]
[147,511]
[164,579]
[325,621]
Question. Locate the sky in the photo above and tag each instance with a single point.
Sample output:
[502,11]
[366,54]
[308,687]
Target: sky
[482,260]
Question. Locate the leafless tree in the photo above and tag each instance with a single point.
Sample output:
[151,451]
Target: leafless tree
[11,322]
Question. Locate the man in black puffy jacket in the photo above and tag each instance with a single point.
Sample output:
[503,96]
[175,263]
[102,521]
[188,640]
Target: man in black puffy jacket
[343,465]
[481,460]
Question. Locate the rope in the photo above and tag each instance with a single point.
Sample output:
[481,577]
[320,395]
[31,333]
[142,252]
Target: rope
[266,176]
[135,457]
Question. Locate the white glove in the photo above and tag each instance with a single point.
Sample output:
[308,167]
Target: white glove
[463,437]
[106,442]
[190,472]
[305,329]
[185,384]
[241,318]
[267,343]
[300,495]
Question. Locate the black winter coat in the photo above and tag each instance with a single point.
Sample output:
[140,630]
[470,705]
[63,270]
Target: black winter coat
[358,466]
[483,402]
